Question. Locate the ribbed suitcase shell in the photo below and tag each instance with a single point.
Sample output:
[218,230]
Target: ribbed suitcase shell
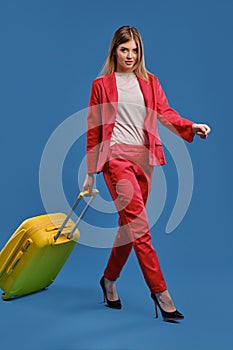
[31,259]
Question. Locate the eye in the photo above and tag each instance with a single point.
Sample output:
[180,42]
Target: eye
[135,50]
[124,50]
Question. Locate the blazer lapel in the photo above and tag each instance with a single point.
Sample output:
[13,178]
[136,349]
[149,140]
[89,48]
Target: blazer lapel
[109,82]
[146,91]
[150,102]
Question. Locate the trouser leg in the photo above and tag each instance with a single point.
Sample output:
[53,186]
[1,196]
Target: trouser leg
[128,184]
[118,257]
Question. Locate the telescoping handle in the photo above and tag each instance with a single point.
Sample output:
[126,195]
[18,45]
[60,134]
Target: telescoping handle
[80,196]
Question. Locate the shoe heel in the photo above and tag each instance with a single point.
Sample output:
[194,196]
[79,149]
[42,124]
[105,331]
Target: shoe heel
[104,297]
[167,316]
[115,304]
[156,310]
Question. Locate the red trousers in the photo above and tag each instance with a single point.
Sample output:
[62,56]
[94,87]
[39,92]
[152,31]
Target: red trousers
[128,176]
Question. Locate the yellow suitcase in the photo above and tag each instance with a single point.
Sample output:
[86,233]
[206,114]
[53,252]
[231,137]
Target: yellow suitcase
[36,252]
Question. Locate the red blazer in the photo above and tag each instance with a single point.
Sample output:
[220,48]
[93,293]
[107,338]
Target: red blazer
[102,115]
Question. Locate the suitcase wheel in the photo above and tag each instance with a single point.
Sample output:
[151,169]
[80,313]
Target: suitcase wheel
[4,297]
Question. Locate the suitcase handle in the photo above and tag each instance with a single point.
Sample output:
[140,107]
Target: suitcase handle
[87,194]
[80,196]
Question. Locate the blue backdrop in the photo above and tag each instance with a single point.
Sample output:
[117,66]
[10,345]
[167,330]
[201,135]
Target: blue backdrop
[50,52]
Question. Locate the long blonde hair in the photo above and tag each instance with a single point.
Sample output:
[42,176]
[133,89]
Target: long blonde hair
[122,35]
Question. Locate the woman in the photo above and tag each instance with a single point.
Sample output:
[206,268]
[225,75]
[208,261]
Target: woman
[123,143]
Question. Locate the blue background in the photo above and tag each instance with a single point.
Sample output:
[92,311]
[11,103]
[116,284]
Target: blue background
[50,52]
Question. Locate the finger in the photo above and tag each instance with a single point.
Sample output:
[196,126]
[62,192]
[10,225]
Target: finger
[200,133]
[203,136]
[90,189]
[85,187]
[206,128]
[203,129]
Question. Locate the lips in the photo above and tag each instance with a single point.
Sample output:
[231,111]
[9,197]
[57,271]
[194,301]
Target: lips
[129,62]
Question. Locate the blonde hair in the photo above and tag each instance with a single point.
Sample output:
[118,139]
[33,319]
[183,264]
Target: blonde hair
[122,35]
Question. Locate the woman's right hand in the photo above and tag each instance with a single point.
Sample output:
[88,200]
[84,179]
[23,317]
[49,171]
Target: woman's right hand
[88,183]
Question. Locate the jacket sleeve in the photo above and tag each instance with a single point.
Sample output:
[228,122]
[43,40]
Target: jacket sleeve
[94,129]
[171,118]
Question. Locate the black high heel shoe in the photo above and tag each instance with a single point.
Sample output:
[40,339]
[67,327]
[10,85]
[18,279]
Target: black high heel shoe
[114,304]
[167,316]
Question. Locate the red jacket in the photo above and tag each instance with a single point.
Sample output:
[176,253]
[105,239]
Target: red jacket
[102,115]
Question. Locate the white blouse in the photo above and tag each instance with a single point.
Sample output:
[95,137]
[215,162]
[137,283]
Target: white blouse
[131,111]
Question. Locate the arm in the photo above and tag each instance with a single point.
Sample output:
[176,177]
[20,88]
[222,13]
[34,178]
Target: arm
[94,137]
[94,130]
[171,118]
[173,121]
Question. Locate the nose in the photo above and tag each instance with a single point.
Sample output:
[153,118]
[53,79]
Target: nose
[129,54]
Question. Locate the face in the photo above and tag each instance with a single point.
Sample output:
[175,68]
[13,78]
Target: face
[126,56]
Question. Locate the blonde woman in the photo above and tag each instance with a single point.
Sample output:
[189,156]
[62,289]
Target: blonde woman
[123,142]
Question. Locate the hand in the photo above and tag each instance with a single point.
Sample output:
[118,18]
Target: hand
[88,183]
[201,130]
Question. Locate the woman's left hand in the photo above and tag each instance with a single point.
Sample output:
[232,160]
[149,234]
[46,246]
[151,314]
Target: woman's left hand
[201,130]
